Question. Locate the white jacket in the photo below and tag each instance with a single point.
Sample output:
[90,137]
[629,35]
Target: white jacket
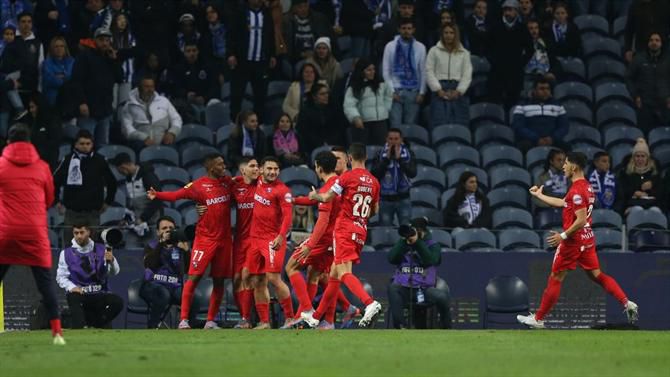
[371,106]
[162,118]
[63,273]
[444,65]
[419,58]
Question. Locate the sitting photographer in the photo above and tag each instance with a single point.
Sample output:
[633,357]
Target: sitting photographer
[416,256]
[83,269]
[165,261]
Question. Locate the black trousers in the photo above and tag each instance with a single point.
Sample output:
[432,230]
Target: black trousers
[399,299]
[255,73]
[45,284]
[372,133]
[159,297]
[96,310]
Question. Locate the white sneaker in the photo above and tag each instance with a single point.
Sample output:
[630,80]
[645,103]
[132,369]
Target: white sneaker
[59,340]
[530,321]
[211,325]
[371,311]
[631,311]
[183,325]
[307,317]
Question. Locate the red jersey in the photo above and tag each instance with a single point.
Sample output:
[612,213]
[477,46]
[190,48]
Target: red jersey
[272,214]
[244,199]
[359,193]
[324,237]
[580,195]
[213,193]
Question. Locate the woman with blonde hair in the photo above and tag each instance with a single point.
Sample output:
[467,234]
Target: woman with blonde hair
[640,181]
[297,92]
[56,69]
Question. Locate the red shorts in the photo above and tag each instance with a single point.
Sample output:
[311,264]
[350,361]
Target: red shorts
[241,250]
[569,257]
[347,247]
[261,258]
[320,258]
[216,253]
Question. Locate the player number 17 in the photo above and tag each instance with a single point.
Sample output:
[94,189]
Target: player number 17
[362,205]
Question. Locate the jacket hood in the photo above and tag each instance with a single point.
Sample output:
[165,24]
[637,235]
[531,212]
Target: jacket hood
[21,153]
[134,97]
[83,249]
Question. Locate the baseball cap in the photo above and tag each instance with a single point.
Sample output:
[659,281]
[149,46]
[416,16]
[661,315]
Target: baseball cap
[186,17]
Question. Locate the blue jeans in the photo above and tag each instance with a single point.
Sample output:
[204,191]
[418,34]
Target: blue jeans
[406,110]
[455,111]
[387,210]
[99,128]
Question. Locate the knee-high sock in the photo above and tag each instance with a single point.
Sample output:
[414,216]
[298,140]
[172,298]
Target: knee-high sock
[311,290]
[187,298]
[287,307]
[215,301]
[263,310]
[55,327]
[356,288]
[612,287]
[549,298]
[246,301]
[300,289]
[329,298]
[329,316]
[341,298]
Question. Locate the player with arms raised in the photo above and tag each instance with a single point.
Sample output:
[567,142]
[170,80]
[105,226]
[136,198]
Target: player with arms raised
[575,245]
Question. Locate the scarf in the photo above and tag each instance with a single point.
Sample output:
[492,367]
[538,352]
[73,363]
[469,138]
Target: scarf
[442,4]
[182,39]
[382,11]
[74,177]
[480,23]
[304,35]
[559,31]
[470,208]
[218,40]
[510,24]
[604,187]
[539,62]
[404,66]
[394,181]
[63,16]
[248,143]
[285,142]
[557,184]
[101,19]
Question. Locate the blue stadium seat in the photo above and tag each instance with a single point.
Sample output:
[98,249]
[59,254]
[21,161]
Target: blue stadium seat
[574,90]
[194,134]
[548,218]
[501,155]
[480,65]
[598,48]
[64,150]
[222,135]
[167,211]
[425,196]
[372,151]
[454,173]
[621,135]
[446,195]
[512,196]
[607,239]
[646,218]
[112,216]
[615,112]
[592,23]
[120,198]
[468,239]
[619,28]
[588,150]
[323,148]
[509,175]
[573,69]
[300,175]
[110,151]
[217,115]
[510,239]
[433,215]
[344,44]
[172,177]
[457,154]
[578,111]
[604,69]
[160,155]
[612,91]
[510,217]
[424,155]
[649,240]
[193,155]
[659,136]
[606,218]
[196,172]
[415,134]
[662,154]
[430,176]
[442,237]
[485,111]
[579,134]
[493,134]
[347,65]
[54,239]
[382,237]
[618,155]
[277,89]
[451,133]
[190,216]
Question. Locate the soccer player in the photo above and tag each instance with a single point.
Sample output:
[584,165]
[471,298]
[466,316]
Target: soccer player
[359,200]
[270,224]
[213,239]
[575,245]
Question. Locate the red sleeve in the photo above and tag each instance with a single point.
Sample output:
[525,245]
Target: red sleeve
[321,224]
[304,201]
[284,197]
[579,199]
[187,192]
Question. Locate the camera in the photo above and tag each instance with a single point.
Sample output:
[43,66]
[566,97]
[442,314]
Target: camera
[180,235]
[112,237]
[406,231]
[410,230]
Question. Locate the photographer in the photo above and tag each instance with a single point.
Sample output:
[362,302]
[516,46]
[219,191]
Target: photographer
[165,261]
[416,257]
[83,269]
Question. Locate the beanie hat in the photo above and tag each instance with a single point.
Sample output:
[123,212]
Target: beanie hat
[324,40]
[641,146]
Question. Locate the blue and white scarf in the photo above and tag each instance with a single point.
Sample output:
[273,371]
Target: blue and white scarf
[248,144]
[394,181]
[539,62]
[559,31]
[381,9]
[470,208]
[102,19]
[604,187]
[182,39]
[439,5]
[218,40]
[557,184]
[480,23]
[404,66]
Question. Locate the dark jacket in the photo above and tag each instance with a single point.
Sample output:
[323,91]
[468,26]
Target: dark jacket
[235,146]
[571,46]
[645,17]
[93,79]
[509,48]
[408,169]
[317,125]
[356,19]
[153,23]
[320,28]
[146,175]
[45,133]
[199,77]
[152,256]
[477,40]
[534,120]
[630,183]
[240,37]
[90,196]
[648,77]
[428,255]
[452,219]
[29,53]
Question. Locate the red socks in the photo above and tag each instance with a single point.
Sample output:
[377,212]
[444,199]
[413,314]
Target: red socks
[329,298]
[300,289]
[311,291]
[246,297]
[186,298]
[356,288]
[55,327]
[287,307]
[612,287]
[215,301]
[263,310]
[343,301]
[549,298]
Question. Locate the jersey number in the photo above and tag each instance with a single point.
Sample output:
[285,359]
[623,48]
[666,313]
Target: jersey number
[197,255]
[362,205]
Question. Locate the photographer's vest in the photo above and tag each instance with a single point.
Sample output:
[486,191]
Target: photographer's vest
[410,273]
[169,271]
[88,271]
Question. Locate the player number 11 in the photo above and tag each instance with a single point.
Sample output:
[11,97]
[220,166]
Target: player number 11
[362,205]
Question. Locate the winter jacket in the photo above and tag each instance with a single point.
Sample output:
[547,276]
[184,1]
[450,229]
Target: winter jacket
[633,182]
[51,82]
[199,77]
[571,46]
[444,65]
[419,60]
[371,106]
[477,39]
[452,219]
[316,125]
[294,99]
[320,28]
[26,191]
[535,120]
[90,195]
[648,77]
[510,49]
[139,121]
[93,79]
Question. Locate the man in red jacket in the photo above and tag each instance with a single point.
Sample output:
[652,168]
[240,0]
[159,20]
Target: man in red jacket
[26,191]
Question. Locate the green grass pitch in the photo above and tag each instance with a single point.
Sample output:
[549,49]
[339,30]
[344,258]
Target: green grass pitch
[194,353]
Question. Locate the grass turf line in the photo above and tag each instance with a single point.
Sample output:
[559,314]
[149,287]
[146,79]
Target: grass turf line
[337,353]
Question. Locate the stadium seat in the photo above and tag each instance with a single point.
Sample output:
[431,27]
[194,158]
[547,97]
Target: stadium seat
[344,45]
[510,217]
[300,175]
[452,134]
[619,27]
[509,175]
[606,218]
[493,134]
[662,154]
[485,111]
[173,176]
[646,218]
[190,216]
[449,155]
[382,237]
[574,90]
[64,150]
[468,239]
[588,150]
[446,195]
[110,151]
[347,65]
[323,148]
[112,216]
[415,134]
[425,196]
[277,89]
[194,134]
[196,172]
[649,240]
[424,155]
[193,155]
[456,171]
[511,196]
[618,112]
[442,237]
[618,155]
[120,198]
[505,295]
[659,136]
[510,239]
[612,91]
[433,215]
[430,176]
[536,156]
[599,48]
[604,69]
[621,135]
[160,155]
[573,69]
[176,216]
[217,115]
[592,23]
[501,155]
[548,218]
[580,134]
[578,111]
[372,151]
[480,66]
[607,239]
[272,109]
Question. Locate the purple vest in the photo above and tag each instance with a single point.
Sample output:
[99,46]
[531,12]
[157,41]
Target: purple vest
[88,271]
[169,272]
[410,273]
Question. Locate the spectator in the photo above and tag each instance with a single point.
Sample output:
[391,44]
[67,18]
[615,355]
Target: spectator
[356,21]
[603,181]
[640,181]
[552,177]
[52,18]
[165,262]
[246,139]
[93,16]
[301,27]
[84,175]
[644,18]
[148,118]
[56,69]
[318,122]
[404,70]
[432,13]
[11,10]
[297,92]
[187,34]
[285,142]
[118,7]
[152,22]
[93,76]
[325,62]
[406,9]
[216,39]
[448,75]
[447,17]
[31,53]
[540,121]
[562,36]
[9,65]
[83,271]
[155,68]
[469,207]
[139,178]
[477,29]
[648,81]
[277,11]
[542,63]
[527,11]
[367,103]
[252,55]
[123,41]
[510,51]
[394,167]
[45,129]
[416,258]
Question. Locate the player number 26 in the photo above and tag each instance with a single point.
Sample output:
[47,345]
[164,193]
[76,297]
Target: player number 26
[362,205]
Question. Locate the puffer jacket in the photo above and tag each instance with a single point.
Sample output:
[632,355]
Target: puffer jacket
[138,125]
[444,65]
[371,106]
[26,191]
